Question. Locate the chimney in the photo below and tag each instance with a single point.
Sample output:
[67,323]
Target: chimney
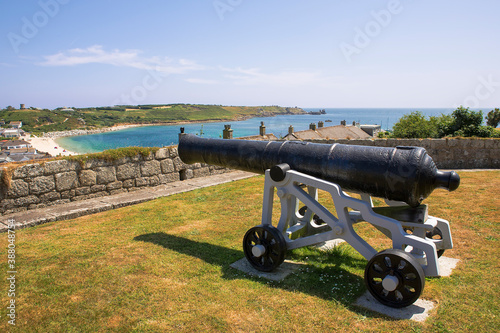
[227,133]
[312,126]
[262,129]
[320,124]
[290,130]
[343,123]
[181,133]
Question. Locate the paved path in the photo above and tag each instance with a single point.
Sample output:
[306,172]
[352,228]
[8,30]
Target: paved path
[85,207]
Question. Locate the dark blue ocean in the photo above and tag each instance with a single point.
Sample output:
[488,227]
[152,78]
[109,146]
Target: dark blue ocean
[160,136]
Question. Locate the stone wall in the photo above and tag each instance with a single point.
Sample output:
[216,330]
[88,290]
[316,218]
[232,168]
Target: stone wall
[446,153]
[49,183]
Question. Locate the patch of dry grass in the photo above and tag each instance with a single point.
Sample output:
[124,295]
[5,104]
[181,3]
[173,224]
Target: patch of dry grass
[164,266]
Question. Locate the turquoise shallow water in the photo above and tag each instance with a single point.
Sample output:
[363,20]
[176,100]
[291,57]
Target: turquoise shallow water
[159,136]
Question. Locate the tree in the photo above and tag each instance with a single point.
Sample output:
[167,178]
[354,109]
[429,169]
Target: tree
[493,118]
[462,122]
[415,125]
[467,123]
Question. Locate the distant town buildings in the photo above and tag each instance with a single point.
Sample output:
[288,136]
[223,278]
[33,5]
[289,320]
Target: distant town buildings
[320,132]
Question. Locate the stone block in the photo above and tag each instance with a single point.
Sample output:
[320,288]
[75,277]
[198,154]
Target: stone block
[87,178]
[18,188]
[82,190]
[203,172]
[149,157]
[129,183]
[27,171]
[123,160]
[173,151]
[26,201]
[98,188]
[114,186]
[141,181]
[492,143]
[68,194]
[162,153]
[7,204]
[66,181]
[51,196]
[118,191]
[53,167]
[439,144]
[42,184]
[105,175]
[167,166]
[494,154]
[154,181]
[97,195]
[178,164]
[477,143]
[150,168]
[96,163]
[128,171]
[169,178]
[188,174]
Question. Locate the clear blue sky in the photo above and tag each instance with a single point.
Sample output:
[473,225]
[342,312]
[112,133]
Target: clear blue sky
[323,53]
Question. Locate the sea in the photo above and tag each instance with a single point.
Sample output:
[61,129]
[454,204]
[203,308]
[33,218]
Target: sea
[165,135]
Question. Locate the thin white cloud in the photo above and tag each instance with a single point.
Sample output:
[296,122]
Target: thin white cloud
[201,81]
[130,58]
[254,76]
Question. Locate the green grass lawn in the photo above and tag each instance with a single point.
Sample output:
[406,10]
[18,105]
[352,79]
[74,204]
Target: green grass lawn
[163,266]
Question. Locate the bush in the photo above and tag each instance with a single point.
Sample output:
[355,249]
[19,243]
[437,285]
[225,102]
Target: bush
[493,118]
[415,125]
[462,122]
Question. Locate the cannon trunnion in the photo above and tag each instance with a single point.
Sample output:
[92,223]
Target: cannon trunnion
[297,172]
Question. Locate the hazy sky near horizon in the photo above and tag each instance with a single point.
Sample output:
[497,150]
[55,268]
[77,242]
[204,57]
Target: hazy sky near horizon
[324,53]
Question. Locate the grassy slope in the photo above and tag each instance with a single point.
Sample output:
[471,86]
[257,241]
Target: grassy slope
[46,121]
[164,266]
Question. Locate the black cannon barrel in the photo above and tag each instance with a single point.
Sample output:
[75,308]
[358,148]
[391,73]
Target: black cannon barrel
[405,174]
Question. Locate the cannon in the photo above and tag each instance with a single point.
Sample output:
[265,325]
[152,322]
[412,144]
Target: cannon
[298,171]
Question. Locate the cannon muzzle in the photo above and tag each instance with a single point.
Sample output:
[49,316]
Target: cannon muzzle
[405,174]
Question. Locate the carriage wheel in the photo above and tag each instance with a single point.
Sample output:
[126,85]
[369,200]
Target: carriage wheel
[394,278]
[264,247]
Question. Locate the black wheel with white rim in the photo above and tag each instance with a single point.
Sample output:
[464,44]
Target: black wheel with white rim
[264,247]
[394,278]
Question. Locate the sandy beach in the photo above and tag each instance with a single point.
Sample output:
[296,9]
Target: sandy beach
[48,144]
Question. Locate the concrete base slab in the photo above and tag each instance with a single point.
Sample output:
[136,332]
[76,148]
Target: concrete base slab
[447,265]
[330,244]
[285,269]
[418,311]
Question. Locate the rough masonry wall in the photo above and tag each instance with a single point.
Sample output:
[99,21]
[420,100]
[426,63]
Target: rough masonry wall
[49,183]
[446,153]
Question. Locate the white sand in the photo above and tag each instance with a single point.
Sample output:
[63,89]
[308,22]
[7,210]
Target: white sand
[48,145]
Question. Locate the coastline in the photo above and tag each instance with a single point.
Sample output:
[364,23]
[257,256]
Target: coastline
[48,142]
